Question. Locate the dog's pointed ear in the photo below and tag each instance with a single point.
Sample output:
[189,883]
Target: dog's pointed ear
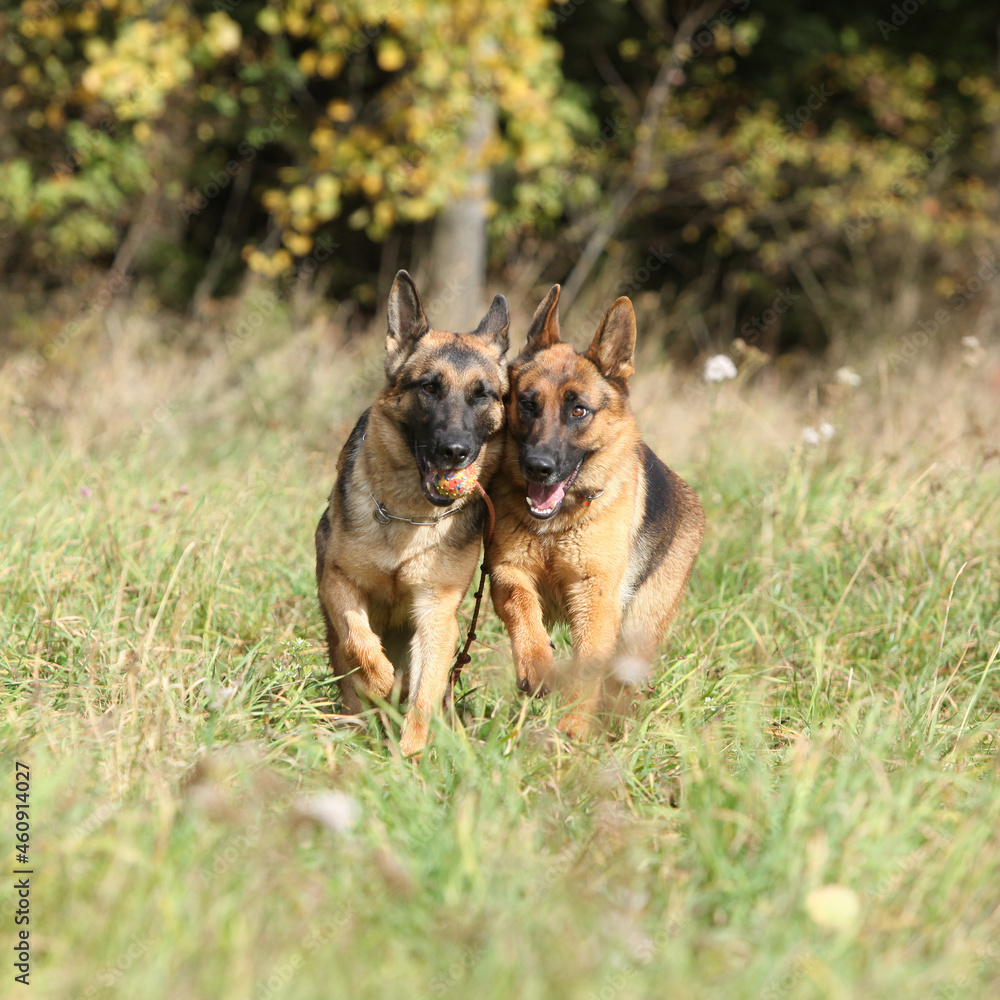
[613,349]
[544,328]
[495,325]
[407,322]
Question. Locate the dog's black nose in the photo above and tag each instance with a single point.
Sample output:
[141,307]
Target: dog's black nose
[539,468]
[453,455]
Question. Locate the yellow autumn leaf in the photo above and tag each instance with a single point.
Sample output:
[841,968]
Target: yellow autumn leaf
[390,55]
[308,62]
[371,184]
[330,64]
[298,244]
[301,199]
[385,215]
[222,35]
[340,111]
[269,21]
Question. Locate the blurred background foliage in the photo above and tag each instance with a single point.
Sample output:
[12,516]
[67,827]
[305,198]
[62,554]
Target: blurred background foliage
[803,176]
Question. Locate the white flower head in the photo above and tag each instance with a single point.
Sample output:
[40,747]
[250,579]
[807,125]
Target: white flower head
[222,696]
[848,376]
[630,670]
[972,343]
[826,430]
[336,811]
[719,367]
[810,436]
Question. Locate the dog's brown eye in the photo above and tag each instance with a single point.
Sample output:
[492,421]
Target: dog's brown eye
[580,411]
[430,388]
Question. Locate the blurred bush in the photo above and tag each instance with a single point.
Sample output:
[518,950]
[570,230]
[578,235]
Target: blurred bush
[800,173]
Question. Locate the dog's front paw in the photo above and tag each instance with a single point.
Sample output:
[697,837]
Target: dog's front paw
[576,725]
[372,673]
[413,738]
[534,675]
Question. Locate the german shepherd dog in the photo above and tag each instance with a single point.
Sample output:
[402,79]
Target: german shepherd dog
[394,556]
[591,527]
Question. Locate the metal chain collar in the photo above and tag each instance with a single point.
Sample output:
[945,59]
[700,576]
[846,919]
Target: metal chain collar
[384,517]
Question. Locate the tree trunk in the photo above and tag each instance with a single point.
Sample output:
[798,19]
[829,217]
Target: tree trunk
[457,283]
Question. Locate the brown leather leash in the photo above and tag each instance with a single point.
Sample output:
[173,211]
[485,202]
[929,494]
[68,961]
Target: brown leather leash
[463,657]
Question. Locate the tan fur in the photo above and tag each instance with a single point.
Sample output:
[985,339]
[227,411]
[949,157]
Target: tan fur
[388,590]
[575,566]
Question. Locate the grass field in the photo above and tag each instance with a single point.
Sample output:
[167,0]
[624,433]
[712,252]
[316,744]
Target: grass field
[803,804]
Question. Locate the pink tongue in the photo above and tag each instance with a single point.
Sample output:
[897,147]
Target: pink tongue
[546,497]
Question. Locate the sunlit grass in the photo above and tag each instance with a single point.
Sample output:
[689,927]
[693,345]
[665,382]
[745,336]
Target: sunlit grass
[825,712]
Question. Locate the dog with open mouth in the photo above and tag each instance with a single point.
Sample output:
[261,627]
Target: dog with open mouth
[400,539]
[591,527]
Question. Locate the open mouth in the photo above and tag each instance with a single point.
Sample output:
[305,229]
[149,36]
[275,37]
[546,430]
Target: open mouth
[544,501]
[429,472]
[443,487]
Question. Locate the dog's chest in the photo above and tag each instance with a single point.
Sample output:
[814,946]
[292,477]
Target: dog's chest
[395,558]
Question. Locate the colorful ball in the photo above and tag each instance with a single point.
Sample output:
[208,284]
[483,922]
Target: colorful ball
[457,483]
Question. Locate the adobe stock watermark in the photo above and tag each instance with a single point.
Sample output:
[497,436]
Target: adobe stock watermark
[109,977]
[704,37]
[112,285]
[367,33]
[801,967]
[444,982]
[86,144]
[235,848]
[284,971]
[983,966]
[564,11]
[747,171]
[927,330]
[627,284]
[198,200]
[553,188]
[613,983]
[265,307]
[899,15]
[453,125]
[855,229]
[818,96]
[752,329]
[912,862]
[43,10]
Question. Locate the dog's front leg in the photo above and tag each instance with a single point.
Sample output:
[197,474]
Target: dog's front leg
[595,620]
[346,604]
[431,653]
[515,598]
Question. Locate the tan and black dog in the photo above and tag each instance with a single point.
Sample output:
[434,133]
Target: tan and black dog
[394,557]
[592,528]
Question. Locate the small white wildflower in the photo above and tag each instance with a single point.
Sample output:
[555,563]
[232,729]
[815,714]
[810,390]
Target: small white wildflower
[719,367]
[973,353]
[334,810]
[630,670]
[811,436]
[835,907]
[221,697]
[848,376]
[826,430]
